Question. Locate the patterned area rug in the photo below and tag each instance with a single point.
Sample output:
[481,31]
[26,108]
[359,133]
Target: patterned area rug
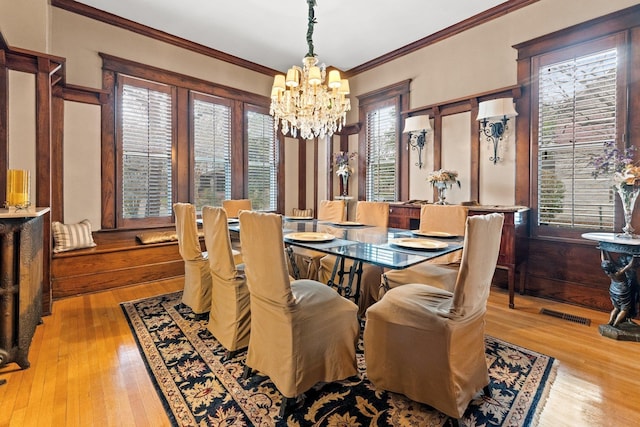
[200,388]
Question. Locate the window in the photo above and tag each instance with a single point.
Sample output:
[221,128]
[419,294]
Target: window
[168,137]
[146,144]
[211,150]
[381,134]
[382,157]
[263,160]
[577,98]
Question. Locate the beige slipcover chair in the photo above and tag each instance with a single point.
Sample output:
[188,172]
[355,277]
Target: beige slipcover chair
[369,213]
[302,332]
[332,210]
[197,277]
[307,260]
[234,206]
[229,317]
[428,343]
[301,213]
[441,271]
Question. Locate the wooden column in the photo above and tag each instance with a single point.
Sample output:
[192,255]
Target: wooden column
[43,168]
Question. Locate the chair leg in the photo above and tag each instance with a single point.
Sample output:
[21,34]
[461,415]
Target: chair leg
[487,390]
[285,407]
[229,354]
[247,372]
[288,404]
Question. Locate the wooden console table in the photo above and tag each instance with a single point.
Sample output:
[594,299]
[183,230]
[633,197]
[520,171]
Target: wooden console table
[21,276]
[514,249]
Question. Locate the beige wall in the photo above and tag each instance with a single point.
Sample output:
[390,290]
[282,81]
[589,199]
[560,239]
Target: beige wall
[478,60]
[82,196]
[25,24]
[22,124]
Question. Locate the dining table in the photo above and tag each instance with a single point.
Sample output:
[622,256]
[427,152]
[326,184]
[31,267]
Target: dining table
[389,248]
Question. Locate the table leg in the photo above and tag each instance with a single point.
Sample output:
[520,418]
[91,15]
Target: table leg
[292,260]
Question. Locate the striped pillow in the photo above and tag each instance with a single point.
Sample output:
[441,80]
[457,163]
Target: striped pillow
[68,237]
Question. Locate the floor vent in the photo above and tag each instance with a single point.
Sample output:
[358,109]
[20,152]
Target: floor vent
[565,316]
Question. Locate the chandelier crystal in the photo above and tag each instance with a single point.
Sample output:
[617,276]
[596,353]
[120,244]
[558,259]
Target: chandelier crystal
[302,103]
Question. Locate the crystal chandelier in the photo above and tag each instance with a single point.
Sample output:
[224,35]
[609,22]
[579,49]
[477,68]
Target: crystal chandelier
[302,103]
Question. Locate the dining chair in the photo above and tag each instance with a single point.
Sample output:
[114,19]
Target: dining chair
[302,332]
[302,213]
[308,260]
[369,213]
[441,271]
[234,206]
[229,317]
[428,343]
[197,277]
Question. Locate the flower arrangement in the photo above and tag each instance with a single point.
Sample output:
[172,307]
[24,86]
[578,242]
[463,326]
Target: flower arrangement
[342,159]
[443,177]
[617,163]
[626,177]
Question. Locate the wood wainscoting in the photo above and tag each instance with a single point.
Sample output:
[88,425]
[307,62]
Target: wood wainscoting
[569,272]
[117,260]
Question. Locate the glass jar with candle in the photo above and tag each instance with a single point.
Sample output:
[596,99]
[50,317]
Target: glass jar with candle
[18,188]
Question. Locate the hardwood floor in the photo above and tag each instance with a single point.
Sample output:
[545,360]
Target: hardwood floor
[86,369]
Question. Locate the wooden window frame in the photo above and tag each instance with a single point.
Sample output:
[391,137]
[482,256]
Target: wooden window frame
[184,86]
[624,22]
[399,94]
[279,140]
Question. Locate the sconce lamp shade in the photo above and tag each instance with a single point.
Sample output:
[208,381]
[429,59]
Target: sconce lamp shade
[417,128]
[417,124]
[502,107]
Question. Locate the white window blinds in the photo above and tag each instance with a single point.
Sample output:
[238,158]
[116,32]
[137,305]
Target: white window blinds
[212,148]
[263,162]
[381,183]
[576,115]
[147,136]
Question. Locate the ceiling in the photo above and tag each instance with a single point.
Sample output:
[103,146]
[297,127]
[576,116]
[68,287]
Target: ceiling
[272,33]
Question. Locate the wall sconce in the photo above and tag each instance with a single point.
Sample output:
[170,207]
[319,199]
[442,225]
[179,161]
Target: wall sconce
[417,128]
[493,116]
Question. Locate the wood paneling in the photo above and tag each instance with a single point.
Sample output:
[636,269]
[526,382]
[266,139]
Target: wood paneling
[562,266]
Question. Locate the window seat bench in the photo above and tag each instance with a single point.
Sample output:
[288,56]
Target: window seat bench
[118,259]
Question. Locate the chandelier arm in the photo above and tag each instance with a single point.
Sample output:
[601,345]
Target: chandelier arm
[312,21]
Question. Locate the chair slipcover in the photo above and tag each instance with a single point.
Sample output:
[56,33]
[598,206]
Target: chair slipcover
[428,343]
[296,212]
[369,213]
[307,260]
[233,207]
[331,210]
[197,277]
[302,332]
[229,317]
[441,271]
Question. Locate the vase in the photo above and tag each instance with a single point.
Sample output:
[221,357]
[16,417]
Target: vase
[628,196]
[442,190]
[344,185]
